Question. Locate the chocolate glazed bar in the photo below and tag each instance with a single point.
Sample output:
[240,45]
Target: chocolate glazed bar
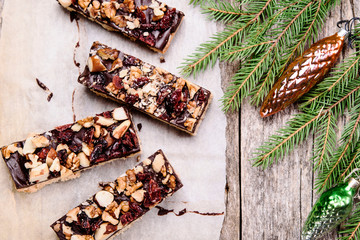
[62,153]
[120,203]
[148,21]
[152,90]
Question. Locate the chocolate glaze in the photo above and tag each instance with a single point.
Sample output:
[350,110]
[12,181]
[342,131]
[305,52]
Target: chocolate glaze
[117,149]
[161,36]
[87,226]
[45,88]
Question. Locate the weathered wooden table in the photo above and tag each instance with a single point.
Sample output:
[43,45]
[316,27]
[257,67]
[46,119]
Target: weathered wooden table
[272,204]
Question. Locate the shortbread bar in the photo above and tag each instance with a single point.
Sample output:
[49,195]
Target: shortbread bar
[148,21]
[152,90]
[120,203]
[62,153]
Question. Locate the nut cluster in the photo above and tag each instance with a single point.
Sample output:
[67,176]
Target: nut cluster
[146,87]
[121,202]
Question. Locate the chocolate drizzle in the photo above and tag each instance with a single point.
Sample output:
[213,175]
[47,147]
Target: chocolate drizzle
[46,89]
[162,211]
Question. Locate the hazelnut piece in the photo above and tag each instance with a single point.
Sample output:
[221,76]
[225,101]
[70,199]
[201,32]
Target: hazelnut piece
[95,64]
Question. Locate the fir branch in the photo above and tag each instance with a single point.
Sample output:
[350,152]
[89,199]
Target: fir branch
[325,142]
[224,11]
[351,230]
[208,52]
[341,158]
[247,77]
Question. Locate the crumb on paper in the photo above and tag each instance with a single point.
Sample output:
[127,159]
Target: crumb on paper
[45,88]
[162,59]
[139,126]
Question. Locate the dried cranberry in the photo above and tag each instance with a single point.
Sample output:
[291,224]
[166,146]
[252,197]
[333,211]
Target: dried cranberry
[96,225]
[99,78]
[132,99]
[130,60]
[179,108]
[63,127]
[134,138]
[175,97]
[150,39]
[140,82]
[136,209]
[117,81]
[88,135]
[167,21]
[66,135]
[126,140]
[43,153]
[96,154]
[143,176]
[201,95]
[147,26]
[126,218]
[75,147]
[164,117]
[110,228]
[107,114]
[62,155]
[162,94]
[141,15]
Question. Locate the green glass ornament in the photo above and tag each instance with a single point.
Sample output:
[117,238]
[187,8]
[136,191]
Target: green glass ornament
[331,209]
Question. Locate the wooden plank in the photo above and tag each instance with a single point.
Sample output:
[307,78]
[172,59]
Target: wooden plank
[276,202]
[231,225]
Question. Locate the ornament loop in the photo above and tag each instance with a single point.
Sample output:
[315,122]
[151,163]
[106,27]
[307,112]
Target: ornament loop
[349,24]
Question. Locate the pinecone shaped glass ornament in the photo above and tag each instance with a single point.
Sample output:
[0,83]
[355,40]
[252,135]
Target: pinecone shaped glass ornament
[331,209]
[303,73]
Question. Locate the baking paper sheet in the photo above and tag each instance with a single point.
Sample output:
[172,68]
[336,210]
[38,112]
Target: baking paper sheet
[38,41]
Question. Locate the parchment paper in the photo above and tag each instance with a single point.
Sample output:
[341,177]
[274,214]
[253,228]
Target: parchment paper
[38,41]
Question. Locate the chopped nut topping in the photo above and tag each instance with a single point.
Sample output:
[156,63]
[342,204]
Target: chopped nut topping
[104,121]
[130,4]
[65,3]
[133,188]
[55,166]
[84,160]
[40,173]
[189,123]
[116,64]
[138,169]
[84,3]
[134,24]
[57,227]
[62,146]
[40,141]
[125,206]
[34,161]
[108,9]
[95,64]
[172,182]
[6,151]
[104,198]
[67,231]
[138,195]
[71,216]
[158,163]
[123,73]
[86,149]
[86,122]
[108,218]
[119,114]
[121,184]
[163,170]
[29,147]
[76,127]
[92,212]
[192,89]
[131,175]
[165,180]
[96,4]
[108,53]
[158,14]
[82,237]
[146,162]
[102,233]
[119,20]
[120,130]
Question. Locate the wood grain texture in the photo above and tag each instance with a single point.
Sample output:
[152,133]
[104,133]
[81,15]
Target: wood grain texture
[275,202]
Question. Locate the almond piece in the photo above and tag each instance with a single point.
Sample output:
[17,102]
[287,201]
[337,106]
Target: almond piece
[108,218]
[29,146]
[40,173]
[40,141]
[84,160]
[103,121]
[55,166]
[95,64]
[102,232]
[120,130]
[119,114]
[76,127]
[104,198]
[71,216]
[158,163]
[65,3]
[138,195]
